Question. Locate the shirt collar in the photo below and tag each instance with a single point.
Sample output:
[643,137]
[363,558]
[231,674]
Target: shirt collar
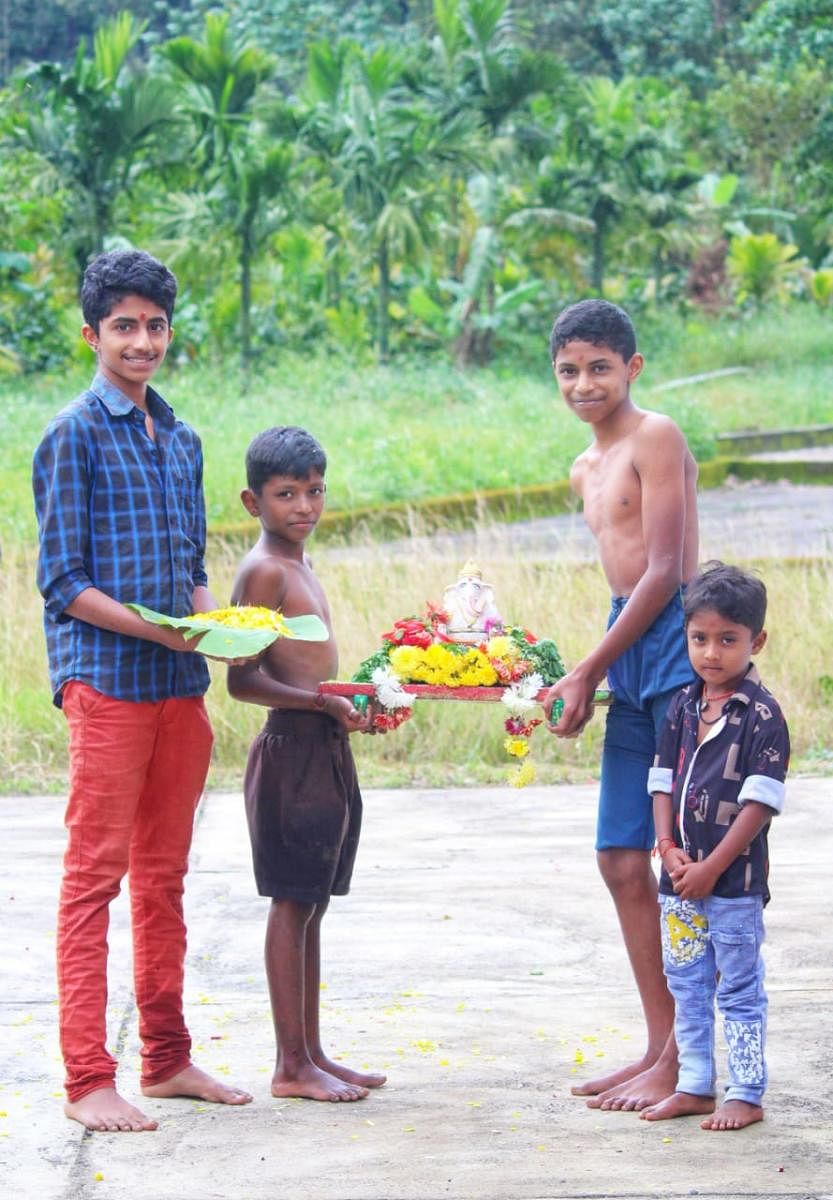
[744,693]
[115,401]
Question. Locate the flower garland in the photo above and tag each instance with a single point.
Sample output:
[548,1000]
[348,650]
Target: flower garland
[418,650]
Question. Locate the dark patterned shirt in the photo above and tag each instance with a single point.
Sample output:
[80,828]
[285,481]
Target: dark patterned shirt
[122,512]
[744,757]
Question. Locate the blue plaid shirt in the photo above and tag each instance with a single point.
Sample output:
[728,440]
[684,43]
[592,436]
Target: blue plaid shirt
[124,513]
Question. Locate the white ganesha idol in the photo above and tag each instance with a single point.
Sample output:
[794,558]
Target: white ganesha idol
[471,608]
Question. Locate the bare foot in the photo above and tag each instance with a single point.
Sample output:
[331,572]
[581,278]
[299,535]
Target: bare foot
[105,1111]
[640,1091]
[595,1087]
[311,1083]
[679,1104]
[363,1079]
[734,1114]
[193,1082]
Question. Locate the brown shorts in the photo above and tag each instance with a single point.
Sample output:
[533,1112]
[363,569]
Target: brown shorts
[304,807]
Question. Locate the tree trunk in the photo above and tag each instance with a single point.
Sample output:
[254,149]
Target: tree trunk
[384,296]
[598,269]
[245,301]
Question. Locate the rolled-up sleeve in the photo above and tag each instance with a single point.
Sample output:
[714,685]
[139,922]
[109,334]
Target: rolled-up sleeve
[764,790]
[60,481]
[769,759]
[660,779]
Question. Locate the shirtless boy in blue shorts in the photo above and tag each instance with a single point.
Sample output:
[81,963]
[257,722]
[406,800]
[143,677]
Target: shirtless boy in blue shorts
[637,482]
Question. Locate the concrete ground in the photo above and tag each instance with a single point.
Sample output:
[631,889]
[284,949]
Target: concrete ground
[478,961]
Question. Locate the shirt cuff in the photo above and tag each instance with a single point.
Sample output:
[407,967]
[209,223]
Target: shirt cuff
[660,779]
[63,591]
[765,790]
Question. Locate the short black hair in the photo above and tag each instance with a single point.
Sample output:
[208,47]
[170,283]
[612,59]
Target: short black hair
[118,273]
[283,450]
[598,322]
[732,593]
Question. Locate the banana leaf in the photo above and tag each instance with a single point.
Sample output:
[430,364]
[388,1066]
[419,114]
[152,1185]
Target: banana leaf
[221,641]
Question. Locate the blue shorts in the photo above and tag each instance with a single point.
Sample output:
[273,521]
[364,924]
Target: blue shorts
[642,680]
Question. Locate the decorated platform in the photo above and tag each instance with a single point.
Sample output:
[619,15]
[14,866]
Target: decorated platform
[462,650]
[427,691]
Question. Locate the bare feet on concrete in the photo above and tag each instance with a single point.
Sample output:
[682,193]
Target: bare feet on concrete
[196,1084]
[733,1114]
[310,1082]
[678,1104]
[631,1088]
[105,1111]
[362,1079]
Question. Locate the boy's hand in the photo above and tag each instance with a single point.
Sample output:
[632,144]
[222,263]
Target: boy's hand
[348,716]
[576,694]
[673,858]
[693,880]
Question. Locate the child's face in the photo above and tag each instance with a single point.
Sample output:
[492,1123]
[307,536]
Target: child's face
[594,380]
[287,507]
[131,343]
[720,650]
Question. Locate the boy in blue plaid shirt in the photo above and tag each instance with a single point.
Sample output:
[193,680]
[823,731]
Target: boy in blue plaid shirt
[121,518]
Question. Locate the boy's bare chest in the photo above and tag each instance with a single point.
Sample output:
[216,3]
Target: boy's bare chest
[304,594]
[610,487]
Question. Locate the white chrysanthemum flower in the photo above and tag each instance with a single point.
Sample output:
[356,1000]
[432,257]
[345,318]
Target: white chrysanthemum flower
[521,695]
[389,690]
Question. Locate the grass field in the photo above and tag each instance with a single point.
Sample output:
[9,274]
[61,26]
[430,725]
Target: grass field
[420,429]
[423,429]
[444,743]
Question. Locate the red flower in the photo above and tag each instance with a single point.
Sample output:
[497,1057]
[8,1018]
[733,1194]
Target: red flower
[518,727]
[391,720]
[410,631]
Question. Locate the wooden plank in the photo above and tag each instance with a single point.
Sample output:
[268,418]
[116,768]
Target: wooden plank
[427,691]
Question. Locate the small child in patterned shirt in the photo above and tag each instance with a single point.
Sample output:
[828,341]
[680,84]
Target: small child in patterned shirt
[717,781]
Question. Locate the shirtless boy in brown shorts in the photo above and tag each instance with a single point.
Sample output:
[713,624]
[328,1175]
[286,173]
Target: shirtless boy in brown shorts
[302,797]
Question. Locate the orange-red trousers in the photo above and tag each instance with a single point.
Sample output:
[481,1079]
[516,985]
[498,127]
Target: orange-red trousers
[136,774]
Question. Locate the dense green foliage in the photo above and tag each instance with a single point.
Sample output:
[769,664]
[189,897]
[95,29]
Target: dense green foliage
[383,177]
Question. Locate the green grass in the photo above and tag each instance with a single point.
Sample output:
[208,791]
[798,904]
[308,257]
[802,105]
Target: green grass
[444,744]
[421,428]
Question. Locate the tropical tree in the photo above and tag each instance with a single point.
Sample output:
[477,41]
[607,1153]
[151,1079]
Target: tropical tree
[243,161]
[95,127]
[593,168]
[387,149]
[480,65]
[496,282]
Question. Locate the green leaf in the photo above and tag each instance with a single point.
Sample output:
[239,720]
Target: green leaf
[221,641]
[308,628]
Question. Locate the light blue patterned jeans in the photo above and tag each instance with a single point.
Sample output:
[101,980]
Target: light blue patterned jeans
[712,948]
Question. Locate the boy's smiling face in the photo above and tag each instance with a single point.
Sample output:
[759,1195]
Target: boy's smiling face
[594,379]
[131,343]
[288,508]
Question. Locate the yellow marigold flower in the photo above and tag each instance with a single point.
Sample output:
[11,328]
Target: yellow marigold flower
[437,656]
[406,661]
[246,616]
[502,647]
[525,774]
[516,746]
